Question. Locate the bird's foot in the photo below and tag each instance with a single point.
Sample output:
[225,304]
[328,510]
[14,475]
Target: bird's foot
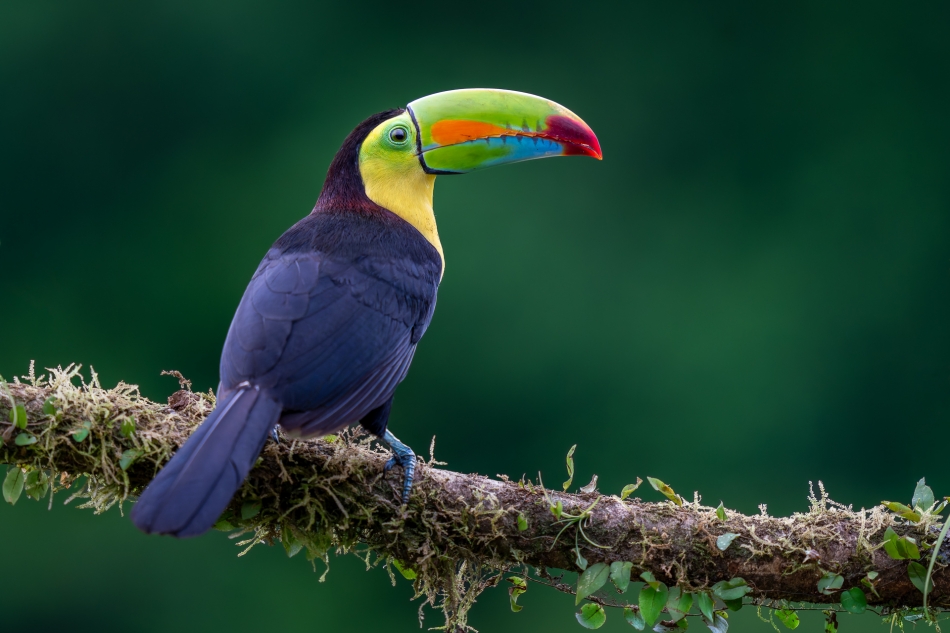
[274,436]
[403,456]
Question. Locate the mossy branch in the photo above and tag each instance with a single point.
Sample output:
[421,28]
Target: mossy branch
[460,532]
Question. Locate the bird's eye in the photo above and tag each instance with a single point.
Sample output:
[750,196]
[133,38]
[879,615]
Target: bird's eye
[398,135]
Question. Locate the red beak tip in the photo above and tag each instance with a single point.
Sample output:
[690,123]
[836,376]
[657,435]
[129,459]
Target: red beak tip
[595,151]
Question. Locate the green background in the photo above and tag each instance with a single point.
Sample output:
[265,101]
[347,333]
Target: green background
[749,292]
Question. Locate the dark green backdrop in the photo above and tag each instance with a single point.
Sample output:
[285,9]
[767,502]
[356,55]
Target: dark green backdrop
[748,293]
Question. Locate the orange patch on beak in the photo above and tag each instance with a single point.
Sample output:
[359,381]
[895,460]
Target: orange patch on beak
[453,131]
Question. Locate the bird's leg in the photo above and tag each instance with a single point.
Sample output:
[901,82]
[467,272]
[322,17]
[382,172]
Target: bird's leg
[274,436]
[403,456]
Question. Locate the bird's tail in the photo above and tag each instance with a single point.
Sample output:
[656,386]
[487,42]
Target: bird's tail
[193,489]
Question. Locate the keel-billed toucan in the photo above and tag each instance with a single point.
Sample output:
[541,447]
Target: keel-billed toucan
[330,321]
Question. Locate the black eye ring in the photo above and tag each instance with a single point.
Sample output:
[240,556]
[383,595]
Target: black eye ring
[398,135]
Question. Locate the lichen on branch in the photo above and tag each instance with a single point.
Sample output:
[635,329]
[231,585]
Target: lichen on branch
[461,534]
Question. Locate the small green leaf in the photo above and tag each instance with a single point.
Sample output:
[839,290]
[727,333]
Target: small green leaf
[831,622]
[902,510]
[570,467]
[620,575]
[892,551]
[890,544]
[788,617]
[734,605]
[652,601]
[83,432]
[705,602]
[519,586]
[522,522]
[289,540]
[667,492]
[591,580]
[591,616]
[872,575]
[854,599]
[581,561]
[127,428]
[721,513]
[557,510]
[900,547]
[12,485]
[36,484]
[407,572]
[24,439]
[725,540]
[678,604]
[224,522]
[49,407]
[633,617]
[18,416]
[294,550]
[918,576]
[629,489]
[650,579]
[830,583]
[128,457]
[923,496]
[330,439]
[718,624]
[909,547]
[223,525]
[250,509]
[733,589]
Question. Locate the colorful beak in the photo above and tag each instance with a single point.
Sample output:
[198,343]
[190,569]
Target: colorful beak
[462,130]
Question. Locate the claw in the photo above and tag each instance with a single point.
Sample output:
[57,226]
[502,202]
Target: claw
[403,456]
[273,434]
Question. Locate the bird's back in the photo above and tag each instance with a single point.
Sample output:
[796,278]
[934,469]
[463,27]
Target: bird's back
[330,320]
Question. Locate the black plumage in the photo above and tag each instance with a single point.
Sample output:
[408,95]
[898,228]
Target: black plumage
[325,332]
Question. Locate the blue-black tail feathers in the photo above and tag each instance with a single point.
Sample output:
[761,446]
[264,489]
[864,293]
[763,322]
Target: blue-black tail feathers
[193,489]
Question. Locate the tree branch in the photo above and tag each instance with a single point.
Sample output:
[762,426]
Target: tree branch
[459,531]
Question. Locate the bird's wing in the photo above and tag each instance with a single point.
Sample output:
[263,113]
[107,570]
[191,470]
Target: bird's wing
[330,339]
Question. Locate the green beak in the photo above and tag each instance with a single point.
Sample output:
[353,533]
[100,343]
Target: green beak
[462,130]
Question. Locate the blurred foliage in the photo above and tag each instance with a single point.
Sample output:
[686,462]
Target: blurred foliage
[749,292]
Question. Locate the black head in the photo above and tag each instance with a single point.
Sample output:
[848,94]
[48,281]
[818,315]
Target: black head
[343,187]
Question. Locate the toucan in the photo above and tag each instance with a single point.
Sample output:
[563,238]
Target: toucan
[329,322]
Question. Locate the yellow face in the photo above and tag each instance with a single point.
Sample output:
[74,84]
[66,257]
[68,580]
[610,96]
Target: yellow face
[394,179]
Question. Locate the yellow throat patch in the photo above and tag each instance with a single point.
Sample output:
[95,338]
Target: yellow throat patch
[394,179]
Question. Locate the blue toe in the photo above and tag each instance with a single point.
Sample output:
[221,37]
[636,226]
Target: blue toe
[403,456]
